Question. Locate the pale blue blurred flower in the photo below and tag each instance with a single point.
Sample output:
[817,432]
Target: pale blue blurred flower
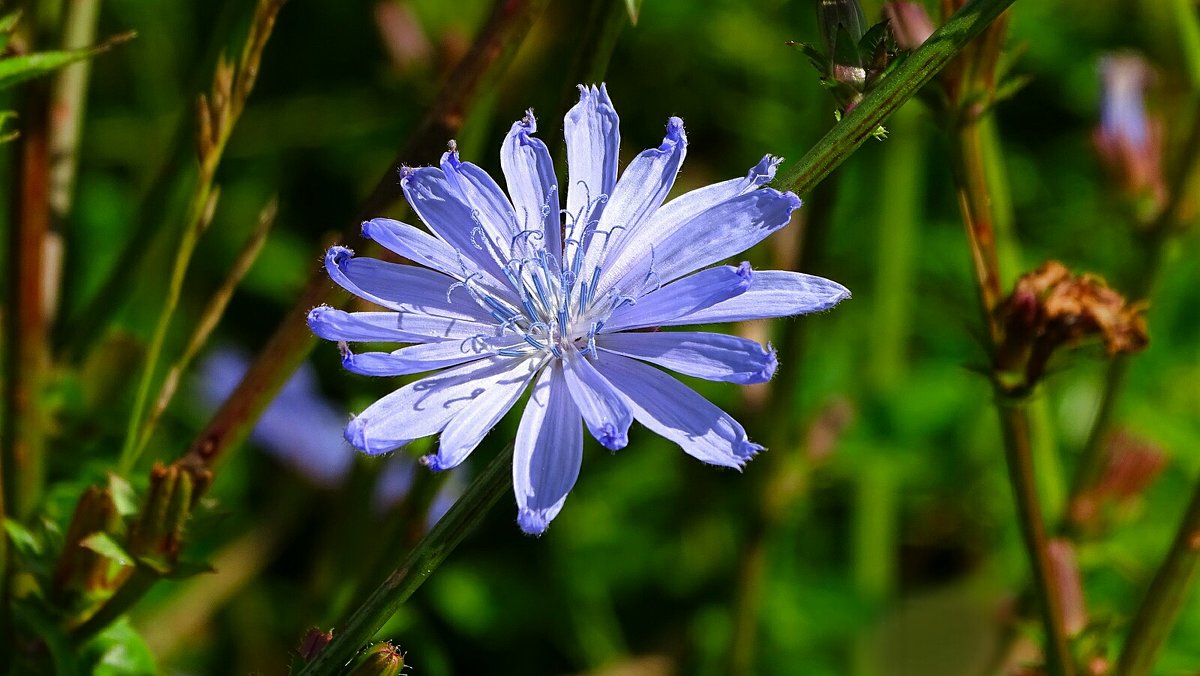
[299,428]
[518,291]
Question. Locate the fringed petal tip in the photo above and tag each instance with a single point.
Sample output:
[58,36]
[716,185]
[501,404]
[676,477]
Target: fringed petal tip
[356,434]
[337,256]
[434,463]
[675,134]
[746,273]
[532,522]
[769,365]
[315,322]
[405,172]
[745,450]
[594,95]
[764,172]
[612,438]
[450,159]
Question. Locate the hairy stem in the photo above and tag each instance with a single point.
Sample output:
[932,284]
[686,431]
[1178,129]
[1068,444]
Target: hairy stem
[480,496]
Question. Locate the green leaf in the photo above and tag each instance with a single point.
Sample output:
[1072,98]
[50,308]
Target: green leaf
[8,23]
[6,137]
[104,545]
[122,495]
[21,68]
[633,7]
[23,539]
[119,651]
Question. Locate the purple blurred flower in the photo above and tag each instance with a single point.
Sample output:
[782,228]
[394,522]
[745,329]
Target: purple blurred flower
[510,295]
[298,428]
[1128,140]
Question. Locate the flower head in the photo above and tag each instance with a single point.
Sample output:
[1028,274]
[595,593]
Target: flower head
[512,289]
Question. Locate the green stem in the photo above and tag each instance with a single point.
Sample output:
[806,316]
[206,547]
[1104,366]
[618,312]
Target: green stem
[1160,609]
[901,84]
[480,496]
[1014,422]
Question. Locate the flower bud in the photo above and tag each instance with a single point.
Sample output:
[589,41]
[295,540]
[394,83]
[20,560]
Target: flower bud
[157,537]
[80,569]
[1128,140]
[313,643]
[838,18]
[382,659]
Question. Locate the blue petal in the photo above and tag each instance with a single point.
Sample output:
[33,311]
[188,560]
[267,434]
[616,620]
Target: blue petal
[604,410]
[638,194]
[725,230]
[675,411]
[679,211]
[491,209]
[439,205]
[426,406]
[549,451]
[424,357]
[593,138]
[692,293]
[464,432]
[414,244]
[395,327]
[404,288]
[712,356]
[772,293]
[529,172]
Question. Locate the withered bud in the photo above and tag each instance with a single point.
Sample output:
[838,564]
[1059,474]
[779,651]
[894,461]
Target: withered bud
[910,23]
[1051,308]
[1065,571]
[157,537]
[80,569]
[1132,465]
[313,643]
[381,659]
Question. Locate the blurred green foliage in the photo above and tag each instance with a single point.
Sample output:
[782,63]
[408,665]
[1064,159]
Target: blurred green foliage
[897,552]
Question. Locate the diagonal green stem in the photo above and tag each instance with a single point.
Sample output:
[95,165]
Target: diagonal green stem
[901,84]
[1166,596]
[469,510]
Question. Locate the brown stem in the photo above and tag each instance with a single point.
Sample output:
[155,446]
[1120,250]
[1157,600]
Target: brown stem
[975,204]
[24,443]
[1014,422]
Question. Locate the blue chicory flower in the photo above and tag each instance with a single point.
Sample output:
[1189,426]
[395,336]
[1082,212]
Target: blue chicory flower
[518,291]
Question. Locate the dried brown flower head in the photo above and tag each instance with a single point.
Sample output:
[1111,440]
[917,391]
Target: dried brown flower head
[1052,308]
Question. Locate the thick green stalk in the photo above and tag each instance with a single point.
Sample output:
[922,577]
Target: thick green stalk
[1170,589]
[469,510]
[901,84]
